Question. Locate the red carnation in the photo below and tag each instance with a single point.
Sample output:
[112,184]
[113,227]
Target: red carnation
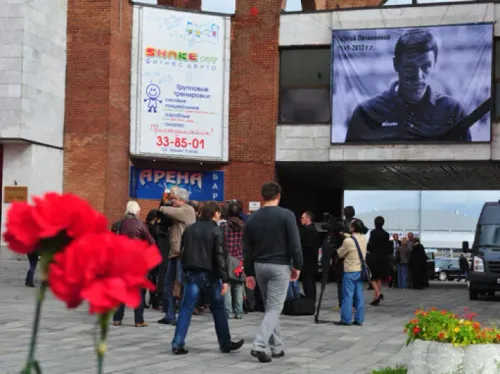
[105,269]
[416,330]
[48,217]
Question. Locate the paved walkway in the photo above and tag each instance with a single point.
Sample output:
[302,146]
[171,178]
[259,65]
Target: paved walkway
[65,340]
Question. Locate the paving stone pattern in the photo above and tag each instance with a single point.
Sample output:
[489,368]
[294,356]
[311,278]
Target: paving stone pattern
[65,339]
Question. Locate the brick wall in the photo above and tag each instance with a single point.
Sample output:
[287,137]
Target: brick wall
[308,5]
[96,163]
[334,4]
[97,103]
[187,4]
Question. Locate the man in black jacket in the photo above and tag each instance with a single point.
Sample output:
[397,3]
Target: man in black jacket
[205,266]
[310,242]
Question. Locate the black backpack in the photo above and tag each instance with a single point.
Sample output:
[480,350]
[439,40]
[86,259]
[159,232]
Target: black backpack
[116,226]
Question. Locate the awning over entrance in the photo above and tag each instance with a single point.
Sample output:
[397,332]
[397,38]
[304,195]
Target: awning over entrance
[392,176]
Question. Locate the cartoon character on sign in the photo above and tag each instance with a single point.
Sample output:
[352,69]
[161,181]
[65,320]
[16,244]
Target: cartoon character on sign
[195,33]
[153,93]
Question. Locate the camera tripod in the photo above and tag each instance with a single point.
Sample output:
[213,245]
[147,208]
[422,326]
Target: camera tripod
[327,252]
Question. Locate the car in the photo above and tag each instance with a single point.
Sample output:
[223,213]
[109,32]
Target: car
[446,268]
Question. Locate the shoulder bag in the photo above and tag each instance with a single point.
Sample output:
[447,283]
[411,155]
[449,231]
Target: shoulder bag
[365,270]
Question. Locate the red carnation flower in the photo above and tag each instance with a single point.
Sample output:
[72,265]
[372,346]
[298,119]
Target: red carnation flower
[416,330]
[105,269]
[48,217]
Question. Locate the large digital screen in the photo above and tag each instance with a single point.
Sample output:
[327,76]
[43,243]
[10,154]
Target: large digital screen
[419,84]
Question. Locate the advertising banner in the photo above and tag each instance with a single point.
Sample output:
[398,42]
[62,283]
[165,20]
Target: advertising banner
[180,93]
[420,84]
[151,183]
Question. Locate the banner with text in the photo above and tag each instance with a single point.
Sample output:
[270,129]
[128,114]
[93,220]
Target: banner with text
[180,103]
[151,183]
[420,84]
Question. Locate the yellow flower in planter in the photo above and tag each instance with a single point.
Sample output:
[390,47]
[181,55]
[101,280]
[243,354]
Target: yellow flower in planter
[457,329]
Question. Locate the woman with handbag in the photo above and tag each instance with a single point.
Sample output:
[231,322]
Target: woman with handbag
[353,251]
[233,245]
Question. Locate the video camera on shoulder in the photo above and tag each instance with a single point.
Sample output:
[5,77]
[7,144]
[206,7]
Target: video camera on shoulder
[332,224]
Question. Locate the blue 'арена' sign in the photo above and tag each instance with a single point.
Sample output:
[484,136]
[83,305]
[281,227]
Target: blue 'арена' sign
[151,183]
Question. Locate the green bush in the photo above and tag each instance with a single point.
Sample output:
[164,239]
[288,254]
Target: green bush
[396,370]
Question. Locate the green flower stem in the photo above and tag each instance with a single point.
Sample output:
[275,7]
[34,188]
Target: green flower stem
[101,346]
[31,362]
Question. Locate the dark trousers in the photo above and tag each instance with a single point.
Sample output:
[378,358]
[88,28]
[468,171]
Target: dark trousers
[162,244]
[393,272]
[138,313]
[33,261]
[309,286]
[174,273]
[153,295]
[193,283]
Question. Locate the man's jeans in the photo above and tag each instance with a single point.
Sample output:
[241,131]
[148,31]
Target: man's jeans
[138,312]
[273,281]
[174,273]
[403,276]
[33,261]
[352,293]
[194,282]
[235,293]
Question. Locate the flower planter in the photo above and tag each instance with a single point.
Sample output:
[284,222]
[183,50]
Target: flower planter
[444,358]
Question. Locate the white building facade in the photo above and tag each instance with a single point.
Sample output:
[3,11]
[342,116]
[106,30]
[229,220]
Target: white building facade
[32,96]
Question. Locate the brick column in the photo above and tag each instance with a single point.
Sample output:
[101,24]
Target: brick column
[188,4]
[97,131]
[308,5]
[166,2]
[335,4]
[253,99]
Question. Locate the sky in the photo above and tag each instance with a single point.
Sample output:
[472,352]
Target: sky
[466,202]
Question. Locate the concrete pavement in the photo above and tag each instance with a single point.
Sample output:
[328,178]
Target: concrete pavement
[65,339]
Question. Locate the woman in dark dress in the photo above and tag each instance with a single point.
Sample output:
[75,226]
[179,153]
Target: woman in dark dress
[418,265]
[379,248]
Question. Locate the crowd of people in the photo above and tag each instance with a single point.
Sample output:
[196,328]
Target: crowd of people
[216,257]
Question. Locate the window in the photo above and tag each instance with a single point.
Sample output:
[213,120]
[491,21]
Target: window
[497,78]
[305,86]
[488,235]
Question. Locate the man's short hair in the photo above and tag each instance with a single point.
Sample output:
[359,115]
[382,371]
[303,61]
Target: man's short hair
[195,204]
[153,214]
[270,191]
[415,41]
[209,209]
[133,208]
[181,194]
[309,214]
[349,211]
[379,221]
